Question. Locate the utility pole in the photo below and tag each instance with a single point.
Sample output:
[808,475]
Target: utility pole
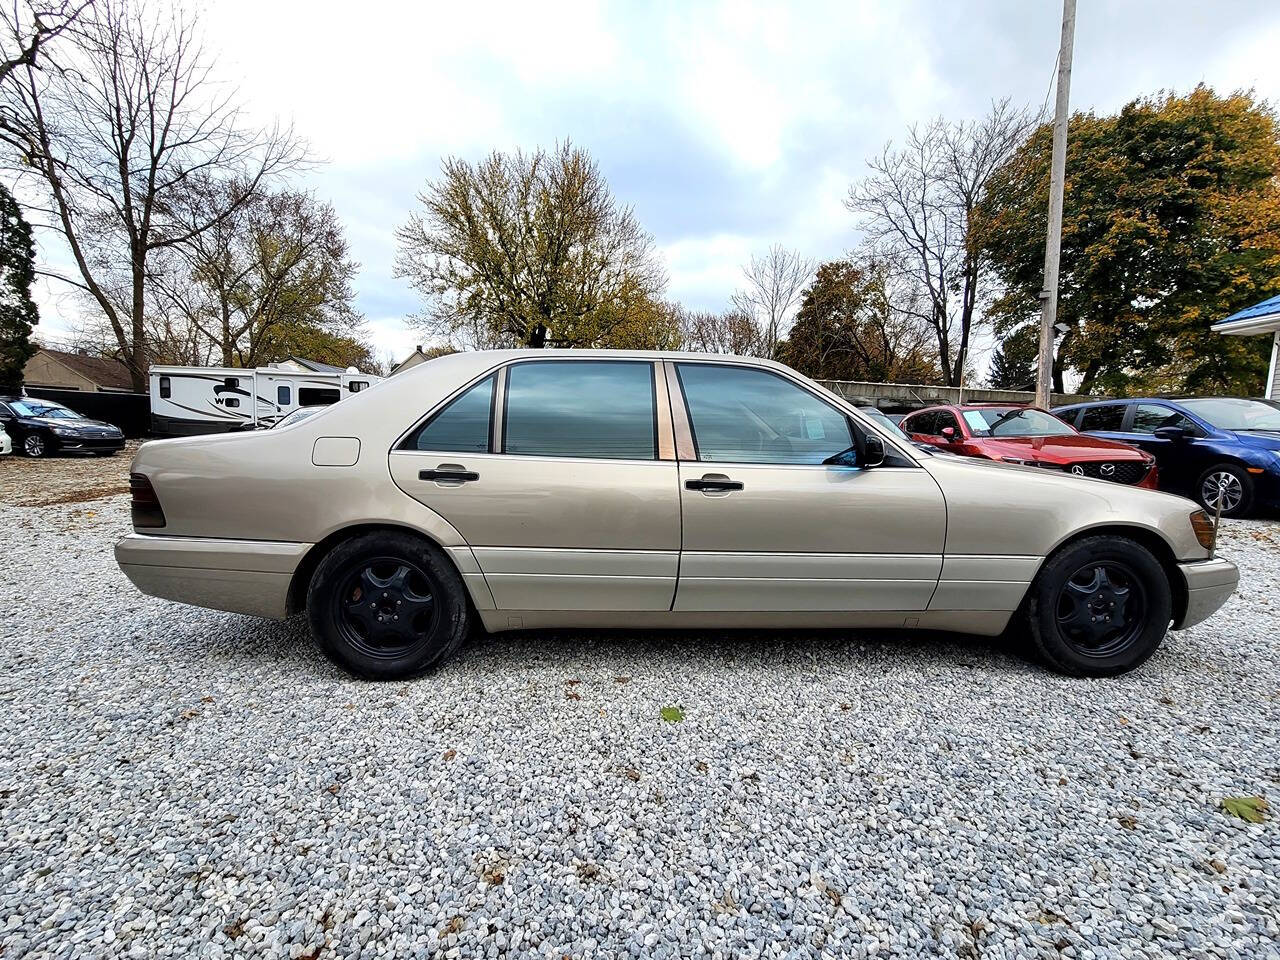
[1057,175]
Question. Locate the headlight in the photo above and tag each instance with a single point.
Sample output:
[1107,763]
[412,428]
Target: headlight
[66,431]
[1022,463]
[1202,524]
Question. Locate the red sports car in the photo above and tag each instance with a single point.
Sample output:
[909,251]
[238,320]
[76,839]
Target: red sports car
[1031,437]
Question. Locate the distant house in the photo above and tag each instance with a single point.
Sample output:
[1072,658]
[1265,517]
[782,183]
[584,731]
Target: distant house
[1262,317]
[419,356]
[60,370]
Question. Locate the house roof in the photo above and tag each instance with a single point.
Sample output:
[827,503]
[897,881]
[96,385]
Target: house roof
[315,366]
[1262,317]
[102,371]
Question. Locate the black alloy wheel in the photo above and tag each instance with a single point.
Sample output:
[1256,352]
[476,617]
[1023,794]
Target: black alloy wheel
[385,607]
[35,446]
[1099,606]
[387,604]
[1102,609]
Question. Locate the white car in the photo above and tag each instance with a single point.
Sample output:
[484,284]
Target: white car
[6,445]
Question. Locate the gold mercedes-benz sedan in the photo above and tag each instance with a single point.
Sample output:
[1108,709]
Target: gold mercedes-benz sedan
[592,488]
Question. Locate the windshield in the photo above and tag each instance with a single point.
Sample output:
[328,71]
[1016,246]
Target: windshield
[1231,413]
[1015,422]
[882,421]
[300,414]
[43,408]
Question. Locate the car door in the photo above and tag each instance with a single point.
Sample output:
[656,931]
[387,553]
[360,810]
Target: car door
[1177,460]
[553,472]
[768,526]
[1103,419]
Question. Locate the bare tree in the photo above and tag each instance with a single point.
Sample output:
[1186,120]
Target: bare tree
[116,137]
[527,250]
[730,331]
[27,29]
[278,261]
[918,205]
[775,283]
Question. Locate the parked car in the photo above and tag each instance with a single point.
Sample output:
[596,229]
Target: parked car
[1031,437]
[1207,447]
[302,413]
[41,427]
[594,488]
[6,445]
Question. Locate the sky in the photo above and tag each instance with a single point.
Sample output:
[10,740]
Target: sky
[726,126]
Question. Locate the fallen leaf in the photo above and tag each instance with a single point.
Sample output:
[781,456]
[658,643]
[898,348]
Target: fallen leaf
[454,925]
[700,766]
[573,683]
[672,714]
[1127,821]
[233,929]
[334,788]
[621,679]
[1252,809]
[573,696]
[206,699]
[449,754]
[845,706]
[631,773]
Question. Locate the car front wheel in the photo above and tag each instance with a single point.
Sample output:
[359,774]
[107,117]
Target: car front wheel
[35,446]
[1228,483]
[1099,607]
[387,605]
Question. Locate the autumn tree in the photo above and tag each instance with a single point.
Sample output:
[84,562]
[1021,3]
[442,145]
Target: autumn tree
[917,208]
[1014,363]
[847,328]
[527,249]
[114,137]
[1171,221]
[774,284]
[18,313]
[270,279]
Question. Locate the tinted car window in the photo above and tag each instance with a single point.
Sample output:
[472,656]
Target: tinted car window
[1106,417]
[317,396]
[581,408]
[921,423]
[463,425]
[752,416]
[1149,417]
[945,419]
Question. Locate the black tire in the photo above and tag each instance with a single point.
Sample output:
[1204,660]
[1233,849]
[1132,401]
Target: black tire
[401,575]
[1087,625]
[35,445]
[1237,487]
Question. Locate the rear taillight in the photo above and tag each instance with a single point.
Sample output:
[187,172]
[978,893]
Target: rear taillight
[143,503]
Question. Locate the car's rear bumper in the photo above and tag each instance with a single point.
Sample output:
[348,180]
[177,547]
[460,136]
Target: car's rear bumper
[1208,585]
[242,576]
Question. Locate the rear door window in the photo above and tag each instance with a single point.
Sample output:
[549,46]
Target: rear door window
[604,409]
[1149,417]
[462,426]
[1109,417]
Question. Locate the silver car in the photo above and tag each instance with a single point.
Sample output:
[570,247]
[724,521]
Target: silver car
[519,489]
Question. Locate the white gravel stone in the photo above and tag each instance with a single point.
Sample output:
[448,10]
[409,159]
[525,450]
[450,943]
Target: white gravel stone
[177,782]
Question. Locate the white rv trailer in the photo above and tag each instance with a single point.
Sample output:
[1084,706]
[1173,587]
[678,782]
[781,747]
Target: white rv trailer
[193,400]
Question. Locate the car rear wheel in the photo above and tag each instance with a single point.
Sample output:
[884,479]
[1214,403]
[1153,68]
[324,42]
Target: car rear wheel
[1099,607]
[1229,483]
[386,606]
[35,446]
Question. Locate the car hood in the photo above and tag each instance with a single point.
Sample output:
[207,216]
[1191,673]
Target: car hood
[1267,440]
[72,424]
[1072,447]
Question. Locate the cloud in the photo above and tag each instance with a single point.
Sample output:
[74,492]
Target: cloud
[728,126]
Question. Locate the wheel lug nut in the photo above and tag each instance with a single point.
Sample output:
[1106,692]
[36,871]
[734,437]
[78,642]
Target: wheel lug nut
[395,618]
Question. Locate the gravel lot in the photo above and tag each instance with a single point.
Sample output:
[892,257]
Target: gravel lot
[177,782]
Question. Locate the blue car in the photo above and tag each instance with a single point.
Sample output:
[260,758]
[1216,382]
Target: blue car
[1205,447]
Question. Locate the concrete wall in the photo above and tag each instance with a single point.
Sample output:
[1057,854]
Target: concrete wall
[900,397]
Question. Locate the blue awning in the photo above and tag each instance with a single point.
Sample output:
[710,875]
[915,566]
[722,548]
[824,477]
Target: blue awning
[1262,317]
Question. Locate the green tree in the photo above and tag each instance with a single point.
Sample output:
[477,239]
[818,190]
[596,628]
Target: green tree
[1171,221]
[18,312]
[848,328]
[1013,365]
[527,250]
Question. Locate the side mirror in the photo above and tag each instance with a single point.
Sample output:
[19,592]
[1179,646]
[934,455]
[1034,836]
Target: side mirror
[950,434]
[873,451]
[1171,433]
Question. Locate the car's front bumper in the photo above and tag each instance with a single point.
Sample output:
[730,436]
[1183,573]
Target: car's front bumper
[242,576]
[88,444]
[1208,585]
